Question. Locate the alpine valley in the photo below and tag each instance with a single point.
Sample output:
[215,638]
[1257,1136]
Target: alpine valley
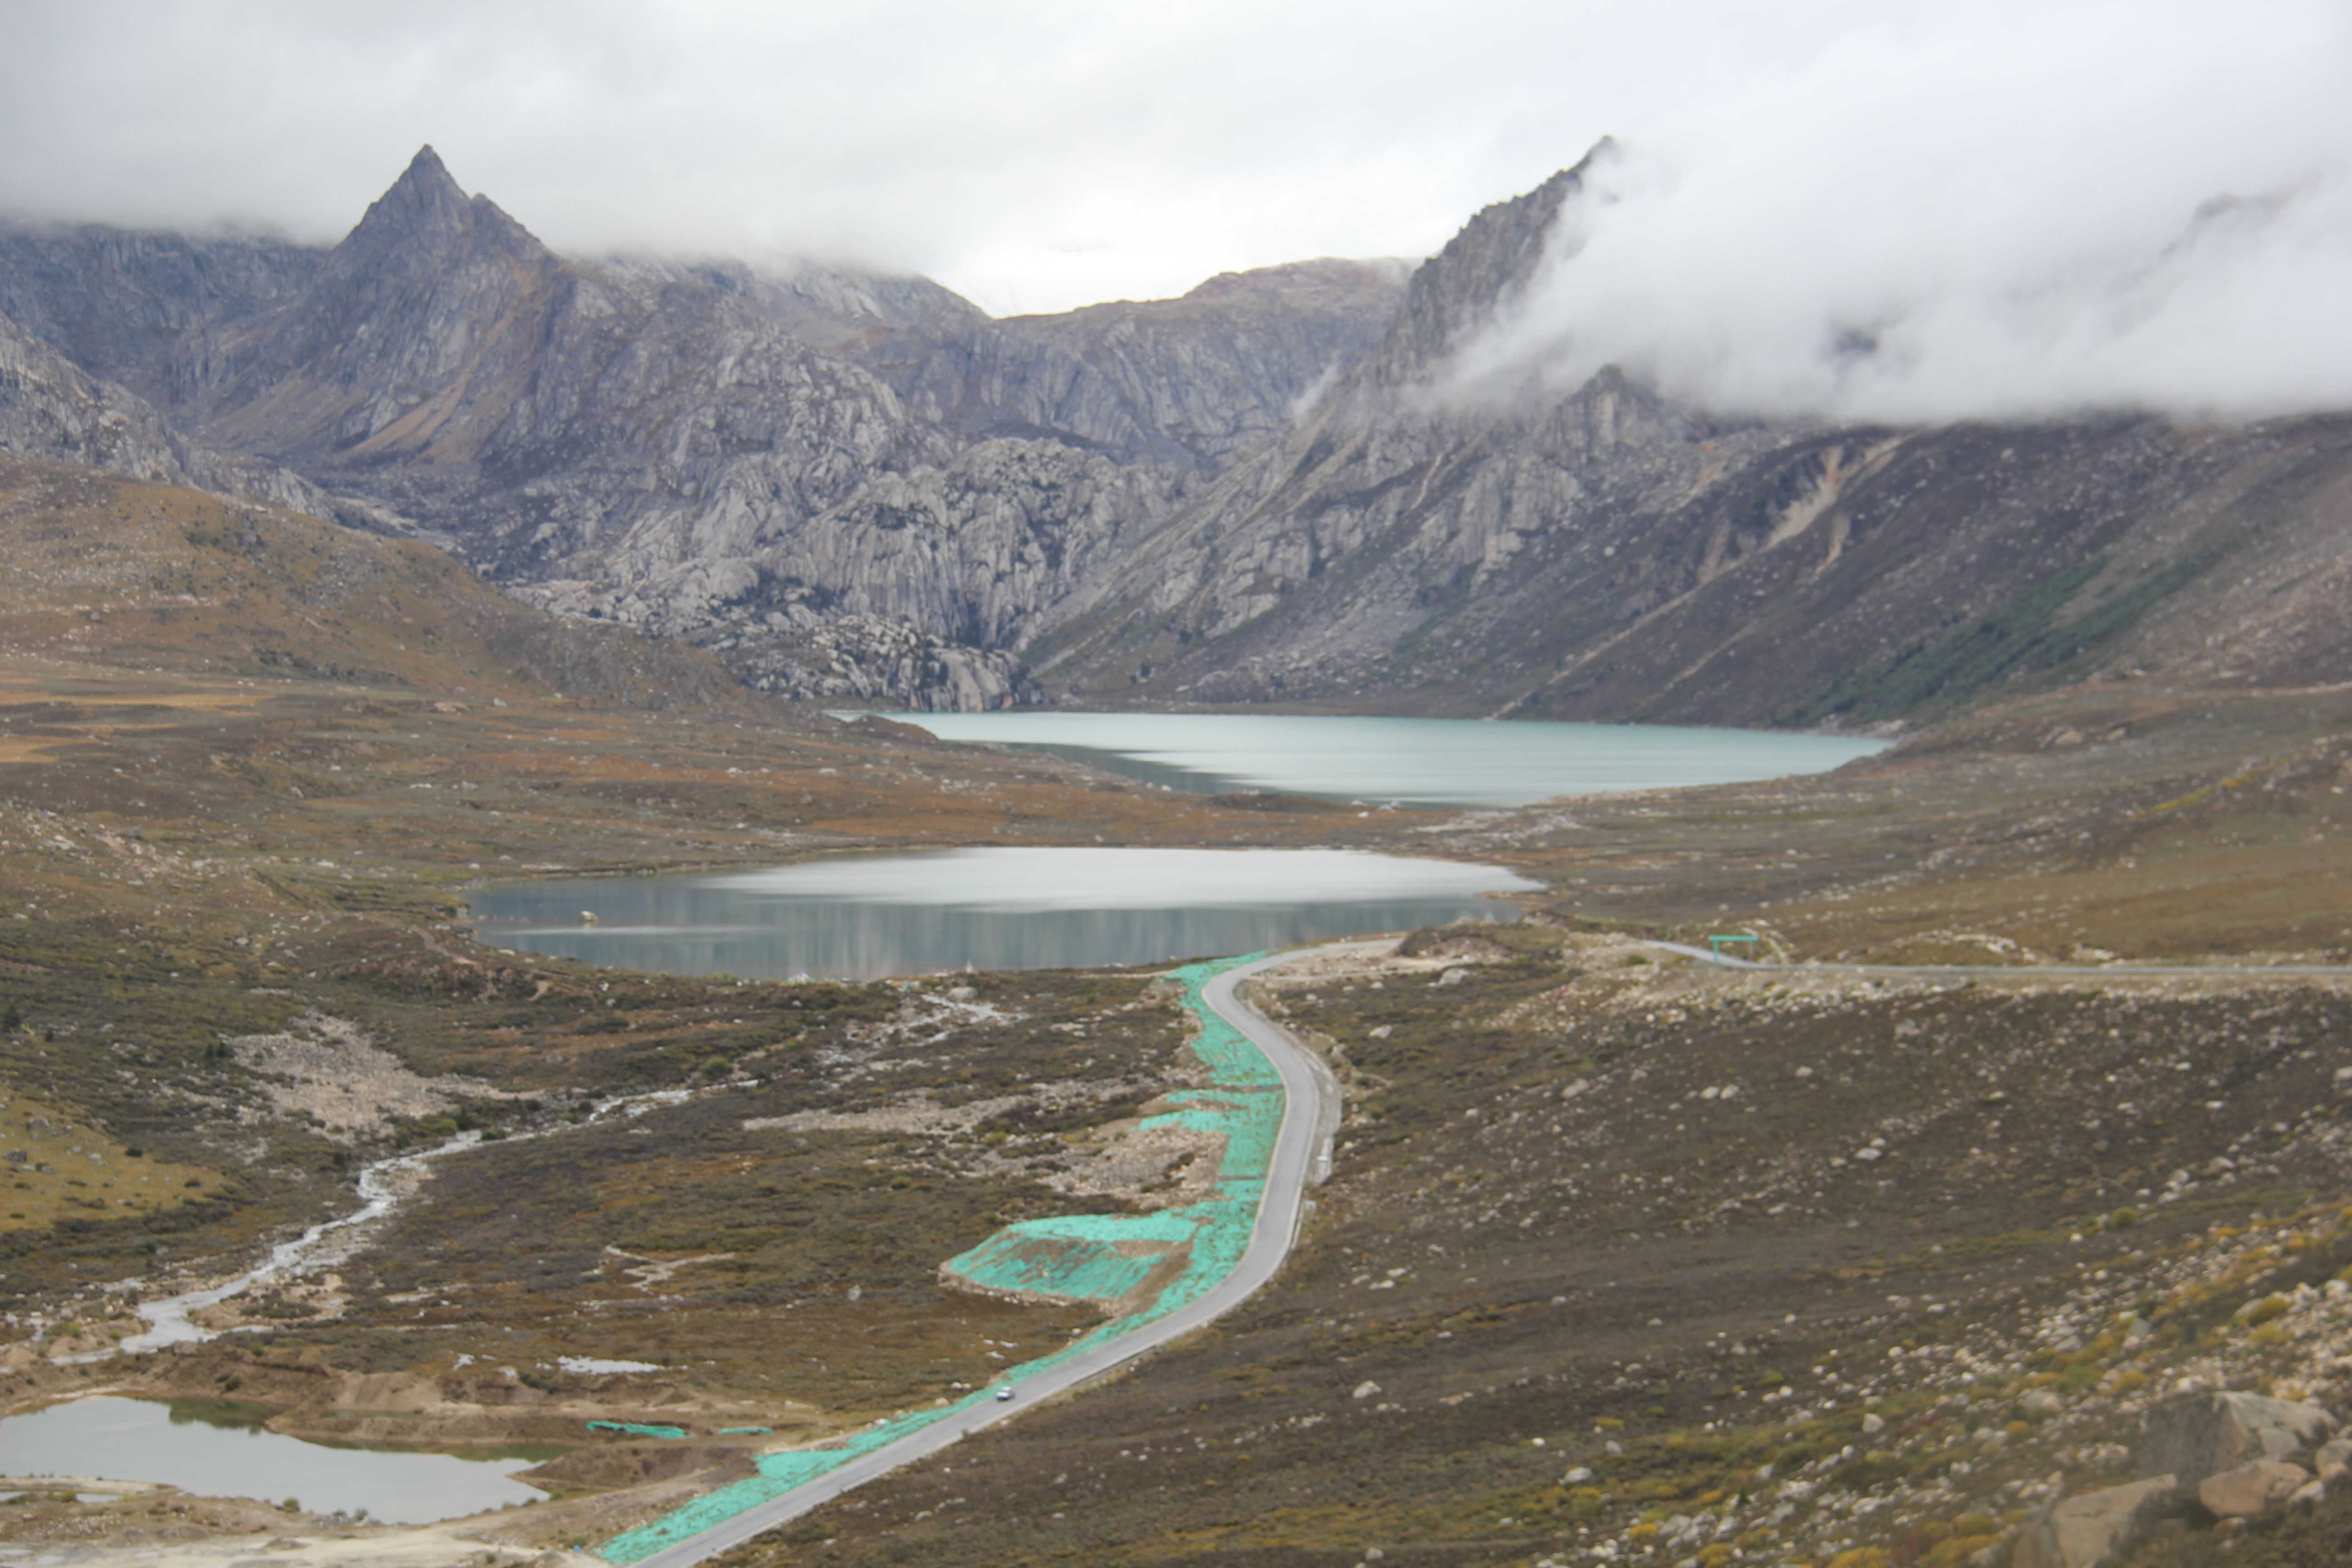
[1999,1215]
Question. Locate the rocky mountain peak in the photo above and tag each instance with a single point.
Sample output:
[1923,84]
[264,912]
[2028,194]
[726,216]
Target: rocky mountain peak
[391,347]
[1481,269]
[426,202]
[425,215]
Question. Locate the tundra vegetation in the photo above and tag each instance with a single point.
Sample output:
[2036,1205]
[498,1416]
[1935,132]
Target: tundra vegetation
[1620,1250]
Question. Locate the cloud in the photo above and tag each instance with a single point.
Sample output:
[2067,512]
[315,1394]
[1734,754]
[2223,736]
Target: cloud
[1891,208]
[1040,153]
[1990,210]
[1035,154]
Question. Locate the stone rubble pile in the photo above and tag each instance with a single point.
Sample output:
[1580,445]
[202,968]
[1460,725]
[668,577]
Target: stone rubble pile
[2205,1458]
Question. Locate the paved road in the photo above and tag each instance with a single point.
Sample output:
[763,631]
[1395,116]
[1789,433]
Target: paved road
[1302,1152]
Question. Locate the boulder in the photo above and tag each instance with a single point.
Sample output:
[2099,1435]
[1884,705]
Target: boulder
[2087,1530]
[2202,1435]
[2249,1488]
[2333,1459]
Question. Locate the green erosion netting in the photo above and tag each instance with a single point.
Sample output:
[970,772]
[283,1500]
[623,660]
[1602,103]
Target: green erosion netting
[1157,1263]
[635,1430]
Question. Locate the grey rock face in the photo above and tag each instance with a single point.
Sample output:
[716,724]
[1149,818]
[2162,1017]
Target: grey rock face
[827,308]
[1277,488]
[1191,383]
[866,659]
[120,304]
[1415,545]
[711,451]
[50,408]
[2202,1435]
[2248,1490]
[2083,1532]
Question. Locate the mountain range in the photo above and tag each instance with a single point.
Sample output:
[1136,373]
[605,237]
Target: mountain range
[850,486]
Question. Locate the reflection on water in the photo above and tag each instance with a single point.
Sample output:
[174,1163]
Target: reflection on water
[225,1415]
[218,1449]
[988,908]
[1412,762]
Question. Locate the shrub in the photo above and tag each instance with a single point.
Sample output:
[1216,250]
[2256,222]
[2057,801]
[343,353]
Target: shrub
[2262,1311]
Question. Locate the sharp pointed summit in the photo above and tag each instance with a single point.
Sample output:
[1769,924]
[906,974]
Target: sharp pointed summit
[427,213]
[424,302]
[426,199]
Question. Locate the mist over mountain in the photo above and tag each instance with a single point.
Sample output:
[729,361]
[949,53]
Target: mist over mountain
[1491,484]
[1451,530]
[2197,302]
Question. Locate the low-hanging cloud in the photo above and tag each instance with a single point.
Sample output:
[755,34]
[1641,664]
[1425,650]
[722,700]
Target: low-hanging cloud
[1996,212]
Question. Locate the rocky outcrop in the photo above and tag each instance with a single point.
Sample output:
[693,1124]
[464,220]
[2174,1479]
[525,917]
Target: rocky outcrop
[2204,1434]
[2087,1531]
[2203,1457]
[121,303]
[51,408]
[1191,382]
[2248,1490]
[854,659]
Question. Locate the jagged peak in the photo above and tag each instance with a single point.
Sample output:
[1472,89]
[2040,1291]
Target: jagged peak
[426,199]
[426,166]
[1460,288]
[426,212]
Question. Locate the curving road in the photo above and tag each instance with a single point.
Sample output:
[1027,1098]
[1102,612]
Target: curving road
[1302,1154]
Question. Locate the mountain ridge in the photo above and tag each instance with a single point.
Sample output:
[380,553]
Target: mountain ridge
[1270,491]
[1604,553]
[714,452]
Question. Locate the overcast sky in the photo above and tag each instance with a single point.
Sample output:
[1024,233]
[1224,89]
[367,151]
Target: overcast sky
[1946,180]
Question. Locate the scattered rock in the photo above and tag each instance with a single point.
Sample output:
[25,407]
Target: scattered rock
[2333,1459]
[2250,1489]
[1367,1388]
[2205,1434]
[2041,1401]
[1874,1424]
[2087,1530]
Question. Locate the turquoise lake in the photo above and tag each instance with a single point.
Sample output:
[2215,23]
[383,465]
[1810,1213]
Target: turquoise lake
[1408,762]
[1017,907]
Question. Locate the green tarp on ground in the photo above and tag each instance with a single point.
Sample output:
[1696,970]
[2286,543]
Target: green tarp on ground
[1096,1257]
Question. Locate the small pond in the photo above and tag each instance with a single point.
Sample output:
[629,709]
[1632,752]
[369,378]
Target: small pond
[1409,761]
[862,917]
[214,1452]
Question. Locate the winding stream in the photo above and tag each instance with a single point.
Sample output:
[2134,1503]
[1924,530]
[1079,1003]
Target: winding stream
[384,1185]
